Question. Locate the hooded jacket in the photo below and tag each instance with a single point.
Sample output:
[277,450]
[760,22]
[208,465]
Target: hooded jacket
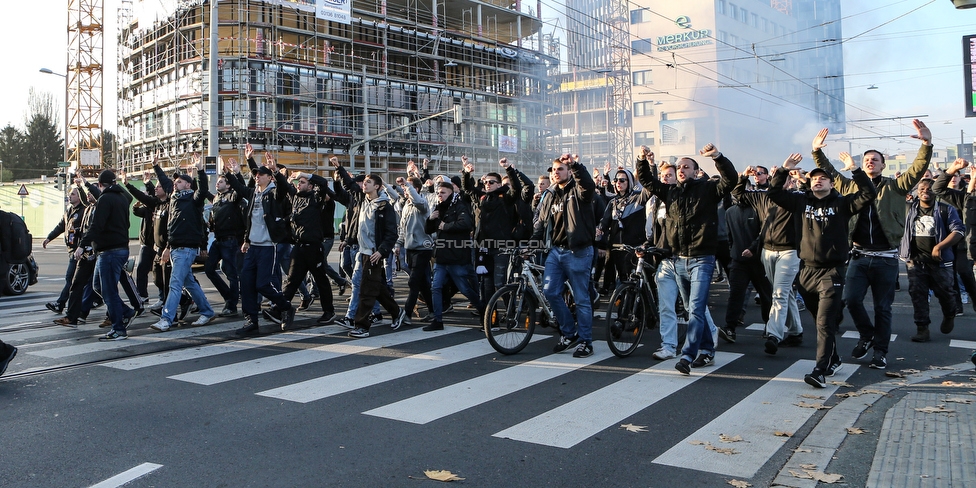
[413,221]
[495,212]
[226,214]
[306,213]
[274,202]
[625,217]
[692,206]
[185,226]
[158,209]
[965,204]
[453,245]
[377,226]
[823,240]
[350,195]
[946,220]
[110,221]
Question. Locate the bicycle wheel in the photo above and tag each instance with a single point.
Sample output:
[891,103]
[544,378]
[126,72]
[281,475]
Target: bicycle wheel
[509,319]
[627,312]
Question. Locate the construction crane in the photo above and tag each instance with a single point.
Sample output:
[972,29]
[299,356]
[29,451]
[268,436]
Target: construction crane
[83,135]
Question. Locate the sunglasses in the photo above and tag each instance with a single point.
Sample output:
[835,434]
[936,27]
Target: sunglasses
[760,173]
[491,182]
[622,180]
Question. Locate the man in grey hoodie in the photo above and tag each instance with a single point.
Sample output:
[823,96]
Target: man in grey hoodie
[417,242]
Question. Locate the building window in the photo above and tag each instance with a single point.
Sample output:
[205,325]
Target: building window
[643,78]
[639,16]
[733,11]
[743,15]
[641,46]
[644,138]
[643,109]
[720,6]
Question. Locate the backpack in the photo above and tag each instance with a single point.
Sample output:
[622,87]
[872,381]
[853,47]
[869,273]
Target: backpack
[15,239]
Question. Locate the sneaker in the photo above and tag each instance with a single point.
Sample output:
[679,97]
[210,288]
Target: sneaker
[964,297]
[948,323]
[288,321]
[683,366]
[359,333]
[228,311]
[815,379]
[434,325]
[157,305]
[795,340]
[834,366]
[800,305]
[427,318]
[583,350]
[161,326]
[140,312]
[126,319]
[756,299]
[65,321]
[663,354]
[345,322]
[306,302]
[879,361]
[250,328]
[105,323]
[342,288]
[202,320]
[96,304]
[565,343]
[81,320]
[703,360]
[8,355]
[400,319]
[921,336]
[861,349]
[375,319]
[54,307]
[185,304]
[326,319]
[772,345]
[272,314]
[727,334]
[114,335]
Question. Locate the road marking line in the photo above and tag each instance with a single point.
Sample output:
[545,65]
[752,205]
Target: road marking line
[962,344]
[335,384]
[152,337]
[853,334]
[236,371]
[168,357]
[452,399]
[127,476]
[766,410]
[573,422]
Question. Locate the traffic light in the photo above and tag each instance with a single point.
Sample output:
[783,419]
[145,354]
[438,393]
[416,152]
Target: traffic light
[58,181]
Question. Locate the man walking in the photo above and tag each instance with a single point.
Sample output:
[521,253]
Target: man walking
[70,226]
[227,225]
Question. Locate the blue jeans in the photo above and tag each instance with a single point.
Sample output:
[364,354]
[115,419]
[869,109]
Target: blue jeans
[463,277]
[182,277]
[667,294]
[109,266]
[256,277]
[225,252]
[781,269]
[574,266]
[880,274]
[694,276]
[68,275]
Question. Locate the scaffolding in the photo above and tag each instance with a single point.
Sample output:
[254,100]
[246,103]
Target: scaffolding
[299,86]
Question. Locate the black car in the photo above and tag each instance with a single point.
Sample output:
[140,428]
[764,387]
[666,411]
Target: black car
[18,270]
[15,278]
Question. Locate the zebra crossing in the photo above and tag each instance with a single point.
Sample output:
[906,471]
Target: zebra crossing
[773,406]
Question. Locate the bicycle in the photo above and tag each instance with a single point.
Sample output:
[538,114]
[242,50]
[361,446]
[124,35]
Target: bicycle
[510,314]
[633,305]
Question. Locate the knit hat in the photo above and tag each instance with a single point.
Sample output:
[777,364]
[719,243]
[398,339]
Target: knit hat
[107,177]
[185,177]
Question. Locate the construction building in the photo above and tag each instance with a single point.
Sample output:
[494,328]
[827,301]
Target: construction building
[755,77]
[305,88]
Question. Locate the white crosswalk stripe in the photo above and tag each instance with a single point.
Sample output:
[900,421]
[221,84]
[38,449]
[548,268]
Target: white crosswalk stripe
[96,346]
[850,334]
[770,408]
[573,422]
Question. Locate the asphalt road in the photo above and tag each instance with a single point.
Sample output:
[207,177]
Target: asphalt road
[315,408]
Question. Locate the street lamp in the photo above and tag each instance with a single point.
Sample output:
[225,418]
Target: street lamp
[64,156]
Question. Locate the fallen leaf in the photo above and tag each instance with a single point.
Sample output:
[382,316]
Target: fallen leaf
[894,374]
[729,438]
[856,430]
[944,368]
[780,433]
[842,383]
[442,475]
[820,476]
[818,406]
[813,397]
[809,466]
[962,385]
[634,428]
[936,409]
[728,451]
[872,392]
[800,449]
[739,484]
[965,401]
[767,403]
[847,395]
[698,443]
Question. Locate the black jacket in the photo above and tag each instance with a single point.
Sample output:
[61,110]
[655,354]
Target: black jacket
[144,211]
[70,225]
[226,214]
[274,203]
[453,245]
[350,195]
[110,221]
[306,213]
[495,212]
[823,243]
[575,201]
[743,224]
[780,228]
[185,227]
[692,224]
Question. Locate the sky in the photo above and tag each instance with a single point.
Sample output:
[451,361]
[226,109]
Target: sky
[910,49]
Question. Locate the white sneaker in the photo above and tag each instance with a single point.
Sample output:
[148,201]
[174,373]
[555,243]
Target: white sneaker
[161,326]
[662,354]
[965,297]
[202,320]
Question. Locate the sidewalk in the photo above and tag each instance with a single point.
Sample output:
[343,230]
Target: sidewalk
[926,439]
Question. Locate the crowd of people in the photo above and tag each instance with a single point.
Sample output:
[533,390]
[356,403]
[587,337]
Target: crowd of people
[794,237]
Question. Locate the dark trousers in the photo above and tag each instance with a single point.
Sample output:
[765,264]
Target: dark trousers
[308,258]
[964,268]
[257,276]
[822,290]
[84,271]
[68,276]
[923,277]
[740,274]
[373,289]
[226,253]
[420,277]
[146,257]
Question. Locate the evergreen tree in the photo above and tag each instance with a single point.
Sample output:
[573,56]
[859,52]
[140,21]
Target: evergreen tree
[11,147]
[42,145]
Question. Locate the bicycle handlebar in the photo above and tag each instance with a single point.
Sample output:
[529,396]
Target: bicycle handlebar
[653,251]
